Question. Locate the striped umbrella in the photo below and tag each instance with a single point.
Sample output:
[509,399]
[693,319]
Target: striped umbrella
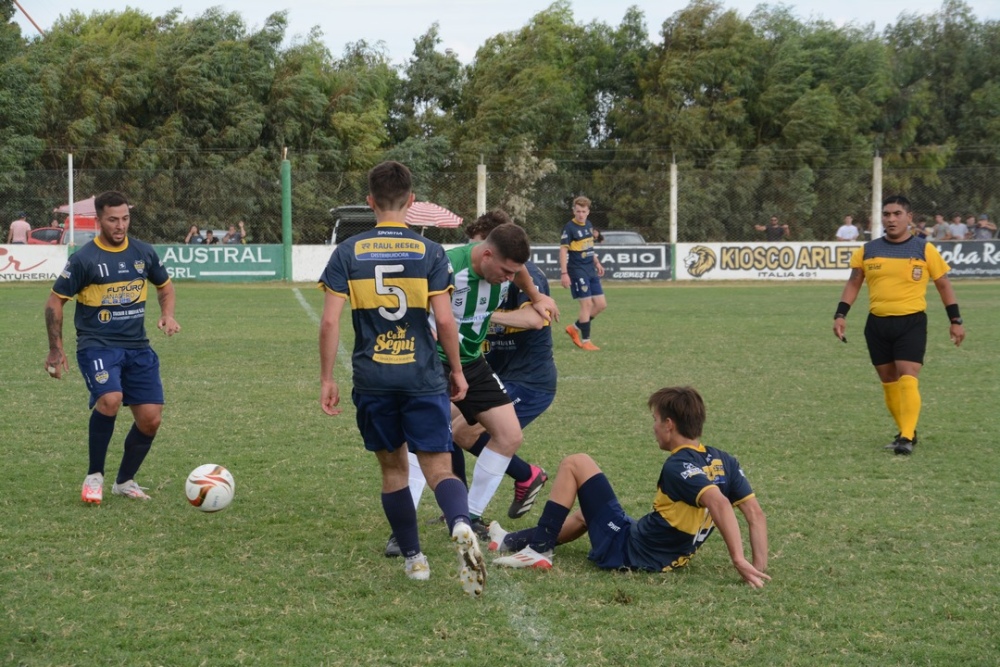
[426,214]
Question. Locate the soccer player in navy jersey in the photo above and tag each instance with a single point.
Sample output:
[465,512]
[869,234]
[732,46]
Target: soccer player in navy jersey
[110,277]
[695,494]
[392,278]
[581,271]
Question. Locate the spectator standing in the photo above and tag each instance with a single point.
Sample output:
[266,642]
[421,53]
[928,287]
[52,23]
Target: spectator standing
[774,231]
[109,277]
[235,235]
[941,231]
[847,231]
[19,229]
[920,229]
[984,229]
[194,236]
[958,230]
[210,237]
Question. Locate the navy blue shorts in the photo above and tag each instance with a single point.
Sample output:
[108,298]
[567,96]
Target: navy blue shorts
[585,286]
[386,421]
[133,372]
[607,523]
[528,403]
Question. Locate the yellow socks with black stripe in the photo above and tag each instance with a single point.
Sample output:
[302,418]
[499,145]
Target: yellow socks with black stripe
[893,401]
[909,405]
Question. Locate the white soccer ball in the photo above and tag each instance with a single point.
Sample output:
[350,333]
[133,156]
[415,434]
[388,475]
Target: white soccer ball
[210,487]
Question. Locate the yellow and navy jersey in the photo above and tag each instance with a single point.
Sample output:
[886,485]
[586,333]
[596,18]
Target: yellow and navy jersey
[578,238]
[667,537]
[897,274]
[111,286]
[388,275]
[523,356]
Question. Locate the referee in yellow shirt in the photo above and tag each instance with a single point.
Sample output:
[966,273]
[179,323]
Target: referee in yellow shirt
[897,268]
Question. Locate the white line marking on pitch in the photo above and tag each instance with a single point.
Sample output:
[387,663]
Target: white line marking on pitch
[533,632]
[342,354]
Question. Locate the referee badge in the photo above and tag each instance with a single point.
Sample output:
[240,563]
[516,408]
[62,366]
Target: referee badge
[918,271]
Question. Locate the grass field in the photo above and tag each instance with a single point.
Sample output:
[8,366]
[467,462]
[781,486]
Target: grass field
[876,559]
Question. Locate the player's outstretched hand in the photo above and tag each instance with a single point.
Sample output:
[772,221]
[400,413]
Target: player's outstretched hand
[751,575]
[168,325]
[957,333]
[839,327]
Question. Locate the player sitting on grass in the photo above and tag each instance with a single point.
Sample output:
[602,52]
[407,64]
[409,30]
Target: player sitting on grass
[696,492]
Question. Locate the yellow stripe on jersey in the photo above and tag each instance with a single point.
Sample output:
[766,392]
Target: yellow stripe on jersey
[113,294]
[365,293]
[680,515]
[898,286]
[579,245]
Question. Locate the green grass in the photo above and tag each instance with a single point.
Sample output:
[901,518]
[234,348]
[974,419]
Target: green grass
[876,559]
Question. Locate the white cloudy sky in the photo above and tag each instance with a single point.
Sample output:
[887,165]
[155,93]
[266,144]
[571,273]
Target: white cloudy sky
[466,24]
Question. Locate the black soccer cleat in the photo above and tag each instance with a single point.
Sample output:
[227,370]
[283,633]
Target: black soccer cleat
[904,446]
[892,445]
[392,549]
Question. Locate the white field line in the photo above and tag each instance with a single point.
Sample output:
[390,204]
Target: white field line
[342,354]
[542,646]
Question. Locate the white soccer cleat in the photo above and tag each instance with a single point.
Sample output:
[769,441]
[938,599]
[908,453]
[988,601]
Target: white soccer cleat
[526,558]
[93,489]
[417,568]
[471,566]
[496,538]
[129,489]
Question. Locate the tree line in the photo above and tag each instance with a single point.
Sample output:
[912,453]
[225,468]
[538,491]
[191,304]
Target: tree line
[763,113]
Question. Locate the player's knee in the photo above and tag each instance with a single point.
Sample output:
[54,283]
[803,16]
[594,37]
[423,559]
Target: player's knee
[109,403]
[574,464]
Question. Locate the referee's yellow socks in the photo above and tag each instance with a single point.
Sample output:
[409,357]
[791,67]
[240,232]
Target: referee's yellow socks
[909,405]
[894,401]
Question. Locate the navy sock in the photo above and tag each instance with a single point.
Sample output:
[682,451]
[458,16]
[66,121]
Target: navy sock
[480,445]
[584,328]
[453,499]
[137,445]
[402,516]
[102,427]
[518,540]
[547,531]
[458,464]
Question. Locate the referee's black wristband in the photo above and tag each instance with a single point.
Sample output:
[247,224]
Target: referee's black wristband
[953,313]
[842,309]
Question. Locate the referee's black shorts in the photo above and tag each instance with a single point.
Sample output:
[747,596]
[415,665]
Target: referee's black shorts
[486,391]
[896,338]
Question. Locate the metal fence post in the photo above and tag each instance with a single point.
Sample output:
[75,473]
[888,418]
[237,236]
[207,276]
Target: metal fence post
[876,197]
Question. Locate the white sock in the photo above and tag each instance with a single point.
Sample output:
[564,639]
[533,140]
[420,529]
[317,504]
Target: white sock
[417,479]
[486,478]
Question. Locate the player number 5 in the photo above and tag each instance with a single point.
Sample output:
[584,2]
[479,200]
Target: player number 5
[390,290]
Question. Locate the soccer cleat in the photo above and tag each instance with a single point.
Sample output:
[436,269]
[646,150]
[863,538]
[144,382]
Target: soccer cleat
[525,558]
[904,446]
[392,549]
[574,333]
[471,566]
[496,538]
[892,445]
[417,568]
[129,489]
[481,528]
[93,489]
[525,493]
[587,345]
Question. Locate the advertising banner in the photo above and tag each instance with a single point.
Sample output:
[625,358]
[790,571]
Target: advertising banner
[24,263]
[764,261]
[223,263]
[632,262]
[980,259]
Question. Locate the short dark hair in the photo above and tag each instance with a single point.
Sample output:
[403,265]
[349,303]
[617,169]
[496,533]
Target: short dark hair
[510,242]
[109,198]
[682,404]
[486,223]
[898,199]
[390,184]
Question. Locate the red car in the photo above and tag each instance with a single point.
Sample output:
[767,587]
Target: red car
[84,229]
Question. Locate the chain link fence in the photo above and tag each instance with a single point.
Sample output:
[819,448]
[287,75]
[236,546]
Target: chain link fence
[713,205]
